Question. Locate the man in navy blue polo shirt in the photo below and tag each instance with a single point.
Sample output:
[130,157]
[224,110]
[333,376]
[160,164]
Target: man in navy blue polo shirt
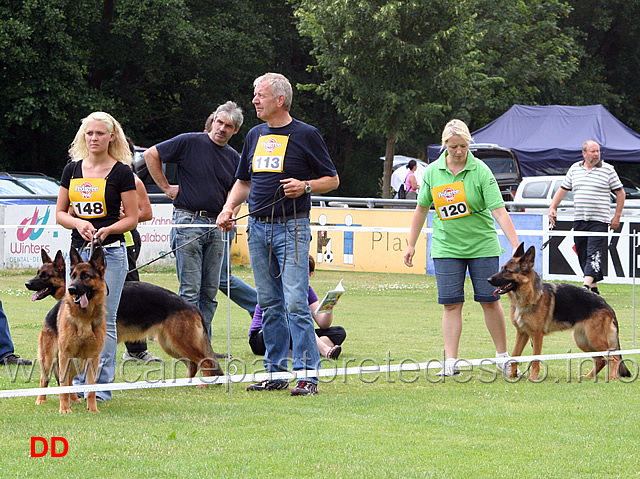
[283,161]
[206,166]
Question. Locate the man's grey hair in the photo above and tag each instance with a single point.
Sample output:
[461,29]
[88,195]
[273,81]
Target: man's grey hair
[279,86]
[233,112]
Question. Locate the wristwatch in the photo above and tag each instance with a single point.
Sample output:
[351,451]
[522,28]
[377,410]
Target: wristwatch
[307,187]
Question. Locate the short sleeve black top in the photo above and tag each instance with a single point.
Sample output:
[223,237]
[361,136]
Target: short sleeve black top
[119,180]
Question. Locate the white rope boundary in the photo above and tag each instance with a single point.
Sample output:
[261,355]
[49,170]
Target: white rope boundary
[405,366]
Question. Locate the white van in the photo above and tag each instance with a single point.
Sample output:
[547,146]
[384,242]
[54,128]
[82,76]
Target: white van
[534,195]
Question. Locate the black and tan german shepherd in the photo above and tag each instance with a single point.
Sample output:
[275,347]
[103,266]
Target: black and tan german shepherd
[145,310]
[81,329]
[538,309]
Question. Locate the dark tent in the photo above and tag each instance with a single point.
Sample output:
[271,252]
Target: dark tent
[548,137]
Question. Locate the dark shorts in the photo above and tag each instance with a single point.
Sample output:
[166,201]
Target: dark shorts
[591,249]
[336,334]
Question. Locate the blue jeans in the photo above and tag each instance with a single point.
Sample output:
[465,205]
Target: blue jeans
[450,276]
[284,300]
[239,292]
[116,261]
[198,263]
[6,345]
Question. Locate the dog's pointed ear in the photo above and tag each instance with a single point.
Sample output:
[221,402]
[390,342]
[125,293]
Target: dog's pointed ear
[97,260]
[59,263]
[45,256]
[74,257]
[529,257]
[520,251]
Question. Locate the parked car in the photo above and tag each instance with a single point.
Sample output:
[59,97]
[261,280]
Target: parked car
[11,186]
[504,165]
[40,183]
[534,195]
[503,162]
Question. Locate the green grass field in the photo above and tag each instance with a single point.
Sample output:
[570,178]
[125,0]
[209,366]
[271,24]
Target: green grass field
[375,425]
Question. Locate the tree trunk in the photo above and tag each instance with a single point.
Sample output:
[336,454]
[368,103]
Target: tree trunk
[388,167]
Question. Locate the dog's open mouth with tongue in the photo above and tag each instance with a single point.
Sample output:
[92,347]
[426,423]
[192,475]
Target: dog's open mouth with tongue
[83,299]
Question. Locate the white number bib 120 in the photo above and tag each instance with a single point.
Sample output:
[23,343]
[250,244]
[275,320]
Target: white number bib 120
[450,201]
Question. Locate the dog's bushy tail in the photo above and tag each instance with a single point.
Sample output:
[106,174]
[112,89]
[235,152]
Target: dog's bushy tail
[623,370]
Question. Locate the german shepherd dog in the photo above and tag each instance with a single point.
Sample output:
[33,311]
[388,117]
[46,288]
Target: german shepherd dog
[145,310]
[81,330]
[538,309]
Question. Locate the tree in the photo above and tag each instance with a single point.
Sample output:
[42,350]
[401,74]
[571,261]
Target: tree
[41,78]
[390,66]
[524,53]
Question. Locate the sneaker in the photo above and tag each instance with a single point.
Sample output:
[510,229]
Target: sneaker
[450,368]
[268,385]
[305,388]
[142,357]
[14,359]
[504,365]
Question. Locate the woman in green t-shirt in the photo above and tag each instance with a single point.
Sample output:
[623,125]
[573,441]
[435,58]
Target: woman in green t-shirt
[467,200]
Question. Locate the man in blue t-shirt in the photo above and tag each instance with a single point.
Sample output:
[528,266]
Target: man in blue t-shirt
[206,166]
[279,159]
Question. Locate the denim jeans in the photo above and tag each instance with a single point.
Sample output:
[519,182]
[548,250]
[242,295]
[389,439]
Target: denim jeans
[116,261]
[6,345]
[239,292]
[284,299]
[450,277]
[198,263]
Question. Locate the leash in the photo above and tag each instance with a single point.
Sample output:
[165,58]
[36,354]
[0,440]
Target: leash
[272,205]
[551,226]
[295,228]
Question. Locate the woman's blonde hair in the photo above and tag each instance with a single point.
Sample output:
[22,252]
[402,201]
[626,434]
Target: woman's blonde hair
[118,147]
[456,128]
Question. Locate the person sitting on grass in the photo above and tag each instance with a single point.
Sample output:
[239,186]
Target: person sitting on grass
[328,338]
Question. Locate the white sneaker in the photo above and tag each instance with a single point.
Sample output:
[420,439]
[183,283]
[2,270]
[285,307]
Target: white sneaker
[503,363]
[450,368]
[143,357]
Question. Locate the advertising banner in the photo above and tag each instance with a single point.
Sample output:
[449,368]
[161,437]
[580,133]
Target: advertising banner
[343,239]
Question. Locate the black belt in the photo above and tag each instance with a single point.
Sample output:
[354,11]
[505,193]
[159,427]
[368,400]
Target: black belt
[281,219]
[203,213]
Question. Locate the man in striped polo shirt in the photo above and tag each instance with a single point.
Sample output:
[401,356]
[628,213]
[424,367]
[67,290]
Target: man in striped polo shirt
[591,180]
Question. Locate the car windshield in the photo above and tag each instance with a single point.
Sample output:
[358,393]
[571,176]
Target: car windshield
[41,185]
[500,165]
[11,187]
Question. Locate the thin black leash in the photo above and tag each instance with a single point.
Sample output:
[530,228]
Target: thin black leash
[295,229]
[273,204]
[544,245]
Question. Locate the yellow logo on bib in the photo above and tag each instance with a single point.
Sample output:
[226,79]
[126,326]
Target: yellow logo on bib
[87,196]
[269,154]
[450,201]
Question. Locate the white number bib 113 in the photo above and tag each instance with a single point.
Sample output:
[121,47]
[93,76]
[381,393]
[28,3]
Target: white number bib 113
[269,154]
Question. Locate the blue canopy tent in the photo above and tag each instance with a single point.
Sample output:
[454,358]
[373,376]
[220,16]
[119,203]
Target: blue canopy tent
[549,137]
